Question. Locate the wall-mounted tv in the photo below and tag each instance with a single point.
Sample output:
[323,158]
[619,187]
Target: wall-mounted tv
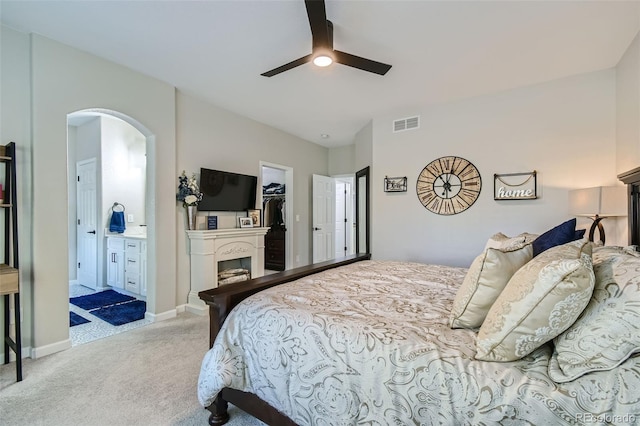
[226,191]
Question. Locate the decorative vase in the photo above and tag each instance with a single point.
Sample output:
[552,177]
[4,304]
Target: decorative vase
[191,217]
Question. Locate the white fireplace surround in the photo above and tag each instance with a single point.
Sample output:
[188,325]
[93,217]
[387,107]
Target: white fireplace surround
[207,248]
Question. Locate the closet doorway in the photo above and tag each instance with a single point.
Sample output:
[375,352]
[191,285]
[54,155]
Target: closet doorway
[276,202]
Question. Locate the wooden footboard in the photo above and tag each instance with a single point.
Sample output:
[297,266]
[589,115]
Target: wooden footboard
[222,300]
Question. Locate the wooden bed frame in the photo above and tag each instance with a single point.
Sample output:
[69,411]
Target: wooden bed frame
[221,301]
[632,180]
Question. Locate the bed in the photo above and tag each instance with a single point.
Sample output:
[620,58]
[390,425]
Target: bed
[361,341]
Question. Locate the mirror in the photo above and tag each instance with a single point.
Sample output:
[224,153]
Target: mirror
[362,211]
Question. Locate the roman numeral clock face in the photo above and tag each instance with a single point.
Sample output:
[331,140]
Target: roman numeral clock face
[448,185]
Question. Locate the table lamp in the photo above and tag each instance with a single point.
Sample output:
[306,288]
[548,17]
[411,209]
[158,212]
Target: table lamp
[597,203]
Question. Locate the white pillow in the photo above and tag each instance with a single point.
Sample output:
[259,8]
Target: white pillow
[502,242]
[487,277]
[608,331]
[541,300]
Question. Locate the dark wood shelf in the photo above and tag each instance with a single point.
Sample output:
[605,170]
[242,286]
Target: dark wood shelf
[9,274]
[8,280]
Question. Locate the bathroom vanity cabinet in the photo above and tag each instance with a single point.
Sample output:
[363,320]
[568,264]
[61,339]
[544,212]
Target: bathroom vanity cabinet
[126,263]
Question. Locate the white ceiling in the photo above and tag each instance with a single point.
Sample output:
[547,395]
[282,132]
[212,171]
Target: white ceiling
[440,50]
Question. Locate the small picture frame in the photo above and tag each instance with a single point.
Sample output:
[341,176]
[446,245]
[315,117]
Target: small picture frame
[245,222]
[395,184]
[256,217]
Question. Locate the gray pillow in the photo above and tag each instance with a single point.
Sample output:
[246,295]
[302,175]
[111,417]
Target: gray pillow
[608,331]
[540,301]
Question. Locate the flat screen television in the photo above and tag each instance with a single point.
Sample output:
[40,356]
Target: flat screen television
[226,191]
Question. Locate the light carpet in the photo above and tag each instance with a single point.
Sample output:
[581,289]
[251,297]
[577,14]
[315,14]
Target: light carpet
[147,376]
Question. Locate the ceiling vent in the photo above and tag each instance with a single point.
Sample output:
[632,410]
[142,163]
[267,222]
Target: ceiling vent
[403,124]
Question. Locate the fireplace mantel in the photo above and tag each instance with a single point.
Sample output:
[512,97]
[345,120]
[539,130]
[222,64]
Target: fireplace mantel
[207,248]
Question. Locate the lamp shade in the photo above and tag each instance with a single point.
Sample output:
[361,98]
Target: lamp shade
[604,201]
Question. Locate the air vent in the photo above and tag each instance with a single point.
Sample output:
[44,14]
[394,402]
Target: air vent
[403,124]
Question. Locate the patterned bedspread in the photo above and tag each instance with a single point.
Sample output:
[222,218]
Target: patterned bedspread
[368,344]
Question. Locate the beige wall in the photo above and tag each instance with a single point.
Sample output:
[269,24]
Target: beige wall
[628,109]
[342,160]
[15,125]
[65,80]
[363,152]
[214,138]
[564,129]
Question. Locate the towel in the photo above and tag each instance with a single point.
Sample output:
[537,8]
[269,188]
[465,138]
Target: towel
[117,222]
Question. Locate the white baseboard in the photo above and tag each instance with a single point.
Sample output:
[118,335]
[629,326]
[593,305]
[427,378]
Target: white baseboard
[195,305]
[73,282]
[26,351]
[197,309]
[162,316]
[181,308]
[45,350]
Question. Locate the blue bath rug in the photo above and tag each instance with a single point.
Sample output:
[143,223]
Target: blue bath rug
[122,313]
[75,319]
[98,300]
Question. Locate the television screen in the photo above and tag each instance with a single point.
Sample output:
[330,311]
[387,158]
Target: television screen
[225,191]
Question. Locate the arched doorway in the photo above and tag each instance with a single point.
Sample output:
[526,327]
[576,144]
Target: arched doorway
[120,150]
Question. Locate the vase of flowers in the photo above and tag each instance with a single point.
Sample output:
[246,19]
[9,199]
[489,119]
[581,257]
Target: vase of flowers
[190,195]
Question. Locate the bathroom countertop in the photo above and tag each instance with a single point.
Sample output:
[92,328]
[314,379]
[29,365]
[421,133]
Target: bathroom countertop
[127,234]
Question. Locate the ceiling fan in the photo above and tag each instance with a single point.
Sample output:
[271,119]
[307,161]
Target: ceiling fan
[322,52]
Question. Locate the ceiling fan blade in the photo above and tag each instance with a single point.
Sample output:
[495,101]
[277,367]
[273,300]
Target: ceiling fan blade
[361,63]
[288,66]
[318,22]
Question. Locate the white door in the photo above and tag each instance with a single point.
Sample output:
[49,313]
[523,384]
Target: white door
[341,219]
[87,242]
[324,218]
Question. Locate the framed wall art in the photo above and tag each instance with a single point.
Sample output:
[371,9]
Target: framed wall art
[395,184]
[515,186]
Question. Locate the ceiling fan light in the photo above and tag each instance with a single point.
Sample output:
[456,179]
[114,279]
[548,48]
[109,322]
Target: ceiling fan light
[323,60]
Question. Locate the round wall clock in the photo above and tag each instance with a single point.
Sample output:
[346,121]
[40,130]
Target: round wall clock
[448,185]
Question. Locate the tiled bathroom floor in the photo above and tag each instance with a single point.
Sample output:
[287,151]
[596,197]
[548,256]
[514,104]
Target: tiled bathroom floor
[97,328]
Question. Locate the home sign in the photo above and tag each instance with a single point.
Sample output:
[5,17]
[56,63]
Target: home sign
[515,186]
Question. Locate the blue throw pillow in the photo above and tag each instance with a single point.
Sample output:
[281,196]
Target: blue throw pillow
[579,234]
[561,234]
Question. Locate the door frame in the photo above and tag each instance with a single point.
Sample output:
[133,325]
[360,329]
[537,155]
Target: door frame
[363,210]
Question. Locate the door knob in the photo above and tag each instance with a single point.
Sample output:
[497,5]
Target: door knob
[91,232]
[317,229]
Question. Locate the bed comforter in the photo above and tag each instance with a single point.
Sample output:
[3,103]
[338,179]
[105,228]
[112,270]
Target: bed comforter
[369,344]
